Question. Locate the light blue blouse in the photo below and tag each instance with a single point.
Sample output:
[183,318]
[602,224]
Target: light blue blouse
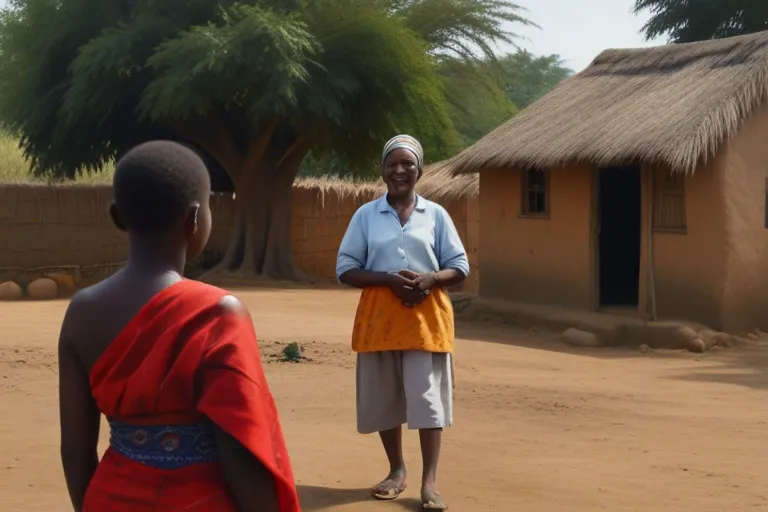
[376,241]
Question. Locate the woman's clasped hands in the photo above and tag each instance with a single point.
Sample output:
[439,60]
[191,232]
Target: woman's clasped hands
[412,287]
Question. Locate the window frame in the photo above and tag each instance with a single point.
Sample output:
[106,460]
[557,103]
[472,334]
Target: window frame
[676,192]
[525,189]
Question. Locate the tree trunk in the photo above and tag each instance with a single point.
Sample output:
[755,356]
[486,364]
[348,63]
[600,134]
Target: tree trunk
[278,261]
[260,242]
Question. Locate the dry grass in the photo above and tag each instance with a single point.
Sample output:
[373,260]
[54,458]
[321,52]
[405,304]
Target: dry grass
[672,105]
[437,184]
[14,168]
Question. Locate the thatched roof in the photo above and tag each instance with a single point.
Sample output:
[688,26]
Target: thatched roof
[672,105]
[437,184]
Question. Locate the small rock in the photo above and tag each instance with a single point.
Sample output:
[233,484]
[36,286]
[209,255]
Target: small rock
[65,282]
[644,348]
[43,289]
[10,291]
[697,346]
[578,338]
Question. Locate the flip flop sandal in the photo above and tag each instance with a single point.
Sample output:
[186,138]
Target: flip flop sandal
[390,494]
[429,505]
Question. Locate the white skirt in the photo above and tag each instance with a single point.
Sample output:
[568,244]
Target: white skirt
[398,387]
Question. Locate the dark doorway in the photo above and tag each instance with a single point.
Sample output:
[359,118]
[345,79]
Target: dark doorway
[619,235]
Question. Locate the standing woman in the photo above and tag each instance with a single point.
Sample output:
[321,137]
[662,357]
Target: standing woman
[403,252]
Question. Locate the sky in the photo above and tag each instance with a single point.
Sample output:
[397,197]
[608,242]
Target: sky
[578,30]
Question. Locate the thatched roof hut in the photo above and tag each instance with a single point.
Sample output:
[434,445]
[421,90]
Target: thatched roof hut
[672,105]
[640,183]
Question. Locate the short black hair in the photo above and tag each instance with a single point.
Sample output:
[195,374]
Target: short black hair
[155,183]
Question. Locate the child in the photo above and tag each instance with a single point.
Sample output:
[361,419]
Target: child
[173,364]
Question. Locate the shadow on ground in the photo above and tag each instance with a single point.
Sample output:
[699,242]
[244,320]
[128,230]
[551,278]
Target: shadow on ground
[742,366]
[317,499]
[747,367]
[512,335]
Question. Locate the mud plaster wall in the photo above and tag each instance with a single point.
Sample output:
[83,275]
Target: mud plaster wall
[544,261]
[689,268]
[552,260]
[44,227]
[745,298]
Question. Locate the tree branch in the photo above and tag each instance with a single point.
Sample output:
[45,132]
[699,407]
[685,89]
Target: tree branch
[219,144]
[258,147]
[298,149]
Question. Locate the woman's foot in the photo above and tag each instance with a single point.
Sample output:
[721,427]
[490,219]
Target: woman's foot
[431,500]
[391,487]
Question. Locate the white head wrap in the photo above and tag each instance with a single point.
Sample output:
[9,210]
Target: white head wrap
[404,142]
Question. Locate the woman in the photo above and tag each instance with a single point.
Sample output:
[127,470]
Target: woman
[173,364]
[403,251]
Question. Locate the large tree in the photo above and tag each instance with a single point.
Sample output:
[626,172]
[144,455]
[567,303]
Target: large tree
[255,84]
[684,21]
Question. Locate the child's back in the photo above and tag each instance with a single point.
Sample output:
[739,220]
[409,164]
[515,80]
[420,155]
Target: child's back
[173,364]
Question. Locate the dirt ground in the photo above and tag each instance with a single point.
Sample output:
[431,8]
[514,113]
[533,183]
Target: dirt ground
[538,427]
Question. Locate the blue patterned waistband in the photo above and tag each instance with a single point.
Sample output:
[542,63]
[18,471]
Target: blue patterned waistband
[164,447]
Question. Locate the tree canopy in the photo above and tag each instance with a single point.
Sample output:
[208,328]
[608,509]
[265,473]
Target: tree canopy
[86,79]
[529,77]
[256,85]
[684,21]
[499,89]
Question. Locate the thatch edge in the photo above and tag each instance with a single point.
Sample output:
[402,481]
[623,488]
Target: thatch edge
[713,130]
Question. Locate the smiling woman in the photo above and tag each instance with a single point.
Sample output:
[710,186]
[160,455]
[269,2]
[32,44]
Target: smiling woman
[403,251]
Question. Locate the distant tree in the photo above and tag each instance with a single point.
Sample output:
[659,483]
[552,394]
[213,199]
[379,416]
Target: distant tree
[530,77]
[255,84]
[481,94]
[477,98]
[684,21]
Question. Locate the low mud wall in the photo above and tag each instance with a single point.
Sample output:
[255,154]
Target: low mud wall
[66,230]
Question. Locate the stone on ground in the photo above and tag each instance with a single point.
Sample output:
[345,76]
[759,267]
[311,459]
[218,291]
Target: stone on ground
[43,289]
[65,282]
[10,291]
[578,338]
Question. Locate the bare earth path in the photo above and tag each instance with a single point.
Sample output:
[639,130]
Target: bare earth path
[539,428]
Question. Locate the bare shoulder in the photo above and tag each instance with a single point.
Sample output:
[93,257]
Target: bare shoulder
[85,307]
[231,305]
[90,297]
[80,312]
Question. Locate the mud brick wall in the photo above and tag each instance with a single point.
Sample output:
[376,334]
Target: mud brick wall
[45,227]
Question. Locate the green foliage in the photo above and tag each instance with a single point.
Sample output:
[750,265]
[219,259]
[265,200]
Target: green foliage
[482,94]
[292,353]
[686,21]
[476,92]
[528,77]
[378,80]
[82,81]
[485,94]
[460,28]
